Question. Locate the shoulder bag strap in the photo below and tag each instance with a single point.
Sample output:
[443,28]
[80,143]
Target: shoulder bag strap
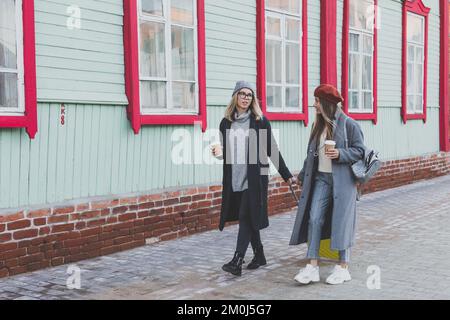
[345,132]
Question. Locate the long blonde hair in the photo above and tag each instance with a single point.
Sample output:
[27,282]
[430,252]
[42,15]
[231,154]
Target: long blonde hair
[254,108]
[324,120]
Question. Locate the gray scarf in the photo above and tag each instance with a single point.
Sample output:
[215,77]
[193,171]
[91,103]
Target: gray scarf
[240,150]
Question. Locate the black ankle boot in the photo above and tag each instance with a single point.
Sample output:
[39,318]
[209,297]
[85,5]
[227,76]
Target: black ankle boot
[235,265]
[258,260]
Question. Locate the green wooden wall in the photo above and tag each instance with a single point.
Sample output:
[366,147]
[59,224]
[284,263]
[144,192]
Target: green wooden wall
[96,153]
[80,65]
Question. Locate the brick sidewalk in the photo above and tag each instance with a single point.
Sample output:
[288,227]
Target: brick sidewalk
[404,231]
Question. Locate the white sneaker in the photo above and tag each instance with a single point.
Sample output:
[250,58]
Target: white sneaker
[339,275]
[308,274]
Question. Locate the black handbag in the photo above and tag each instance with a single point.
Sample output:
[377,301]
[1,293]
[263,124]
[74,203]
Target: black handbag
[365,168]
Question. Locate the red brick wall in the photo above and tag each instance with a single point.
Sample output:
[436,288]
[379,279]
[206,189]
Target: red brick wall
[32,239]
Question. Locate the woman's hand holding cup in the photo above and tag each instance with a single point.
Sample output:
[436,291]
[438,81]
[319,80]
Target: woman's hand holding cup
[330,149]
[216,150]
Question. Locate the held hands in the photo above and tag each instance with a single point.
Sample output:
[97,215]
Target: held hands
[332,153]
[293,181]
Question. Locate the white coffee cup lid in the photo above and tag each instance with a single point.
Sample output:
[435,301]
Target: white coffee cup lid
[330,142]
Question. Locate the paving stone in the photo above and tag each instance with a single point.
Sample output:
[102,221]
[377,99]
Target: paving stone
[405,231]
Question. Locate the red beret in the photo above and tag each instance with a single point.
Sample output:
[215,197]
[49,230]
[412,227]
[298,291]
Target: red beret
[329,93]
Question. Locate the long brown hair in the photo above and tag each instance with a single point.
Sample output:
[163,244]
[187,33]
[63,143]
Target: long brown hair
[254,108]
[324,120]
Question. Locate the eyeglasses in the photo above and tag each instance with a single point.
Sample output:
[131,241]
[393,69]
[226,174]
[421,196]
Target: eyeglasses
[244,95]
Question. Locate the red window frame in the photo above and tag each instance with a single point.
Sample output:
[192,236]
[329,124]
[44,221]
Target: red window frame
[417,7]
[132,88]
[261,65]
[444,102]
[345,65]
[29,119]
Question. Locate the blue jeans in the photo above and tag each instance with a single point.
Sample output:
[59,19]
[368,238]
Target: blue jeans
[321,200]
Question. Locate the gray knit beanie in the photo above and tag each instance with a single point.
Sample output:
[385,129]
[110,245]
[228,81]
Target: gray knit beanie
[242,84]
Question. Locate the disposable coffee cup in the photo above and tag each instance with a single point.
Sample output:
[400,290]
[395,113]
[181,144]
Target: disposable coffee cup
[329,145]
[213,146]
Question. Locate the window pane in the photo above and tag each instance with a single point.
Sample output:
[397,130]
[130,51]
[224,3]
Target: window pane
[154,7]
[8,91]
[295,6]
[183,61]
[354,100]
[183,95]
[411,56]
[153,94]
[278,4]
[419,103]
[418,79]
[293,97]
[273,61]
[273,26]
[152,58]
[415,28]
[411,103]
[274,97]
[354,42]
[8,50]
[419,55]
[293,63]
[367,100]
[367,73]
[293,29]
[182,11]
[354,72]
[361,14]
[410,83]
[367,44]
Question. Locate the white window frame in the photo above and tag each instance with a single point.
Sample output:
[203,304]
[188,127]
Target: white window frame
[20,68]
[166,20]
[415,44]
[361,54]
[283,15]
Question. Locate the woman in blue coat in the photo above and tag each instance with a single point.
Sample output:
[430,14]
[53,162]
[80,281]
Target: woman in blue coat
[327,207]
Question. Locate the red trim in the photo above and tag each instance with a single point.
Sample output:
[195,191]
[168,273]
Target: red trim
[132,84]
[261,65]
[444,103]
[29,119]
[345,61]
[417,7]
[328,52]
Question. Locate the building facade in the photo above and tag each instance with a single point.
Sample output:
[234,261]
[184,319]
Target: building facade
[96,98]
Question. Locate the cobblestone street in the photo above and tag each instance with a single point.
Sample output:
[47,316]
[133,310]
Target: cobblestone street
[404,231]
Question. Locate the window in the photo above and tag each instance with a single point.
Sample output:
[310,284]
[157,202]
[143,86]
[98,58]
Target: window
[17,91]
[282,59]
[11,58]
[359,61]
[414,61]
[165,72]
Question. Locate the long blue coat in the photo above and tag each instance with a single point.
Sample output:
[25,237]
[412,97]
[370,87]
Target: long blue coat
[340,219]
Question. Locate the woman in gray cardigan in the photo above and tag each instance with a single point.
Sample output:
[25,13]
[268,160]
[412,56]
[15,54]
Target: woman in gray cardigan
[244,130]
[327,207]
